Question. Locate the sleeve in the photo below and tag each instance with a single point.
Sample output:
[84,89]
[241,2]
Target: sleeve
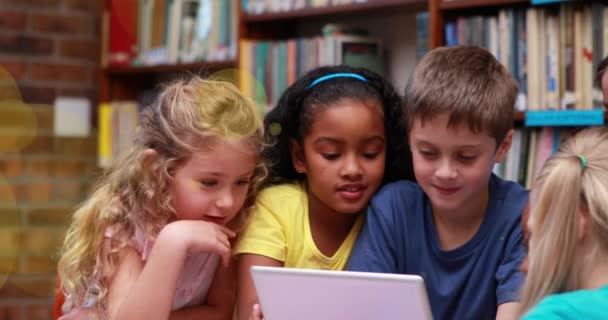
[508,274]
[375,249]
[265,234]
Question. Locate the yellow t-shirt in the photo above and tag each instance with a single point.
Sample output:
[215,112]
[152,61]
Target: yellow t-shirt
[279,229]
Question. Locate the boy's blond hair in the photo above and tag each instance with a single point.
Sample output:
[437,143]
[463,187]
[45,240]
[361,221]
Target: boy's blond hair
[575,178]
[466,82]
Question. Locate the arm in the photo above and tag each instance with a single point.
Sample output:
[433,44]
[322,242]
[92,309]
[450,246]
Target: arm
[220,299]
[509,275]
[247,296]
[507,311]
[138,291]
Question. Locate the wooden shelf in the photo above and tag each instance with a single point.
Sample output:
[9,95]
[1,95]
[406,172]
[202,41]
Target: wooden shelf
[171,68]
[335,10]
[464,4]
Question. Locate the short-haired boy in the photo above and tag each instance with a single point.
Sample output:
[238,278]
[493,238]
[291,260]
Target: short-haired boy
[459,226]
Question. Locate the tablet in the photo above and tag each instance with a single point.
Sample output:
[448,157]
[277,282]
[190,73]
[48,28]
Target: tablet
[305,294]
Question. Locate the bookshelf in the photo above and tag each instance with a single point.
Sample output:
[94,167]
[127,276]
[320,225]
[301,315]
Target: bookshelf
[337,10]
[125,85]
[562,42]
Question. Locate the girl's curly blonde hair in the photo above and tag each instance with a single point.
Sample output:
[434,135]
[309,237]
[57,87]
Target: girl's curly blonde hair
[188,115]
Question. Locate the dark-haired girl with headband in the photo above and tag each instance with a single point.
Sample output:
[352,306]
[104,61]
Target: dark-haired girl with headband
[568,251]
[334,138]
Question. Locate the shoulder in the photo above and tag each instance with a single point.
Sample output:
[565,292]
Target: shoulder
[556,306]
[398,190]
[282,200]
[398,197]
[281,192]
[510,191]
[510,196]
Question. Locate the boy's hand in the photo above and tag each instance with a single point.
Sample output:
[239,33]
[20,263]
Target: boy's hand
[202,236]
[256,313]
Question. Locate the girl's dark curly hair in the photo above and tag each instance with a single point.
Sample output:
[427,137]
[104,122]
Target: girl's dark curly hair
[293,116]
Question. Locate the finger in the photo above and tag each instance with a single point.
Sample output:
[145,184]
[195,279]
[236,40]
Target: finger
[255,312]
[223,239]
[226,257]
[227,231]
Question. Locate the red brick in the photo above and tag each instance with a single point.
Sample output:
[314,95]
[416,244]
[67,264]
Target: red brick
[39,167]
[24,44]
[11,238]
[39,144]
[11,166]
[7,193]
[42,240]
[44,116]
[38,264]
[37,94]
[17,69]
[13,20]
[69,168]
[18,287]
[10,312]
[16,115]
[40,3]
[49,216]
[37,191]
[10,217]
[66,24]
[81,49]
[82,147]
[84,5]
[39,311]
[60,72]
[68,191]
[8,265]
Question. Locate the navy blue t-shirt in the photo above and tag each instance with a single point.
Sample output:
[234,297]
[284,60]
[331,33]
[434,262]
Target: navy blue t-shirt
[469,282]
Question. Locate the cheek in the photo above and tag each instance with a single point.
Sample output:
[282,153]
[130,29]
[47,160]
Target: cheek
[422,167]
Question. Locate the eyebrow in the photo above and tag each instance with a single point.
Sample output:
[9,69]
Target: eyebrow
[467,146]
[341,141]
[220,174]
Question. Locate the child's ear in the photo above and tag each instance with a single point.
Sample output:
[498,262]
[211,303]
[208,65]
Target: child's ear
[504,146]
[150,155]
[297,156]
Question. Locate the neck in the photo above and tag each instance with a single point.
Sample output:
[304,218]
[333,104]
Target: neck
[329,228]
[456,227]
[595,274]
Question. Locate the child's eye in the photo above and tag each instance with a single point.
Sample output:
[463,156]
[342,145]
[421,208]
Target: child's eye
[208,182]
[427,154]
[331,156]
[371,155]
[243,182]
[466,158]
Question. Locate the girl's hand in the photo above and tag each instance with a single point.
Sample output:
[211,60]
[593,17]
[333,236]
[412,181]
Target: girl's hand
[202,236]
[256,313]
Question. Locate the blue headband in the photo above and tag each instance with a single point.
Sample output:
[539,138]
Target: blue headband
[336,75]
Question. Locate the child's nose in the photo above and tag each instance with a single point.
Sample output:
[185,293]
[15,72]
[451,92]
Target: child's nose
[446,170]
[351,168]
[225,199]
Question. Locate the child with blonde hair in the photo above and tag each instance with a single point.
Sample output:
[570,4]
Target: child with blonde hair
[568,252]
[148,242]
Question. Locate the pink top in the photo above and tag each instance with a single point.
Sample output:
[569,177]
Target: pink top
[192,287]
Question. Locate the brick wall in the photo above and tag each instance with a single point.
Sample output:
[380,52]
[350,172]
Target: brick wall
[48,48]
